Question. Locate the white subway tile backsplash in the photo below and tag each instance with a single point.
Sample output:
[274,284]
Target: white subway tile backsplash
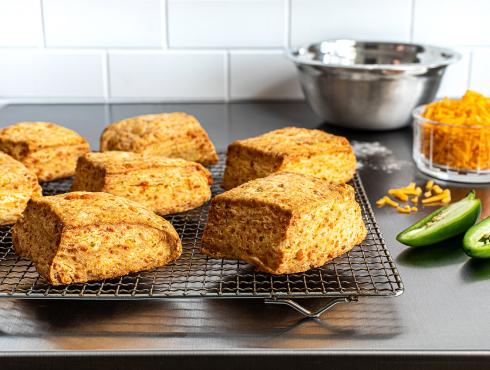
[20,23]
[263,75]
[379,20]
[452,22]
[480,72]
[168,75]
[456,78]
[107,23]
[226,23]
[42,73]
[200,50]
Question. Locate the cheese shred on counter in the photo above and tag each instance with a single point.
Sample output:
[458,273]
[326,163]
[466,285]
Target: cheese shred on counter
[441,196]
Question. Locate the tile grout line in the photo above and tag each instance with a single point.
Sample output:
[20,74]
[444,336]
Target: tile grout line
[214,48]
[227,76]
[106,75]
[43,26]
[164,25]
[288,22]
[470,68]
[412,20]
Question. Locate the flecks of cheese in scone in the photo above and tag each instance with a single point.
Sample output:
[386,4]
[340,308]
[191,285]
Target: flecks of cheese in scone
[49,150]
[284,223]
[17,186]
[163,185]
[175,135]
[290,149]
[80,236]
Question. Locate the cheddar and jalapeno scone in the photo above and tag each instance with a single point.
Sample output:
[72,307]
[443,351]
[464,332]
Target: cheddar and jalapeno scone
[174,135]
[164,185]
[291,149]
[79,237]
[17,186]
[49,150]
[284,223]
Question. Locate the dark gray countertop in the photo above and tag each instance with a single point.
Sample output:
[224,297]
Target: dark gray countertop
[441,321]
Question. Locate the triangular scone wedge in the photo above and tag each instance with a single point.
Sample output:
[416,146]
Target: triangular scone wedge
[290,149]
[174,135]
[78,237]
[284,223]
[47,149]
[163,185]
[17,185]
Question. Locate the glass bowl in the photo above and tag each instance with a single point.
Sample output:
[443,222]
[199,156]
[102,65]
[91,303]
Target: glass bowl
[451,152]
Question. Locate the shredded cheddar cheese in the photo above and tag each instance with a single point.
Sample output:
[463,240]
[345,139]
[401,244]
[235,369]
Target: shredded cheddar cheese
[437,189]
[386,200]
[440,197]
[405,209]
[444,196]
[391,202]
[461,137]
[399,194]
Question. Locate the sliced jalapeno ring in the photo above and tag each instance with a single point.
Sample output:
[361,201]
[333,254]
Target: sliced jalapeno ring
[444,223]
[476,242]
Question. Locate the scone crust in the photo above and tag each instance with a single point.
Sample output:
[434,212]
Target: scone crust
[39,135]
[290,149]
[17,186]
[175,135]
[164,185]
[284,223]
[119,162]
[80,236]
[47,149]
[286,191]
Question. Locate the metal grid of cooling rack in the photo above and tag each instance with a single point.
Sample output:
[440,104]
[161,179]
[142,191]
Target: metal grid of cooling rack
[367,270]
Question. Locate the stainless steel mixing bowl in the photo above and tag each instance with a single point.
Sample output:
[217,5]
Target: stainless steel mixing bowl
[370,85]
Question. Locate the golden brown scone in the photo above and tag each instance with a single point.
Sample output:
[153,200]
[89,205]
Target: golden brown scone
[17,186]
[284,223]
[49,150]
[290,149]
[79,237]
[174,135]
[164,185]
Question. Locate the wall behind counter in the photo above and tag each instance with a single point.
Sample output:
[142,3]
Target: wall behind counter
[213,50]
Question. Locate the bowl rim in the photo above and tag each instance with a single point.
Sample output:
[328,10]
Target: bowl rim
[419,119]
[455,56]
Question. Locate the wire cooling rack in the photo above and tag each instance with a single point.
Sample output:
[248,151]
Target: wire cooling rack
[367,270]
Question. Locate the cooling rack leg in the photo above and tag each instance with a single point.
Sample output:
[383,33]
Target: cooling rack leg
[306,312]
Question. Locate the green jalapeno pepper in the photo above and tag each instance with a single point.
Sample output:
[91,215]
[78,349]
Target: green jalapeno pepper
[476,242]
[444,223]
